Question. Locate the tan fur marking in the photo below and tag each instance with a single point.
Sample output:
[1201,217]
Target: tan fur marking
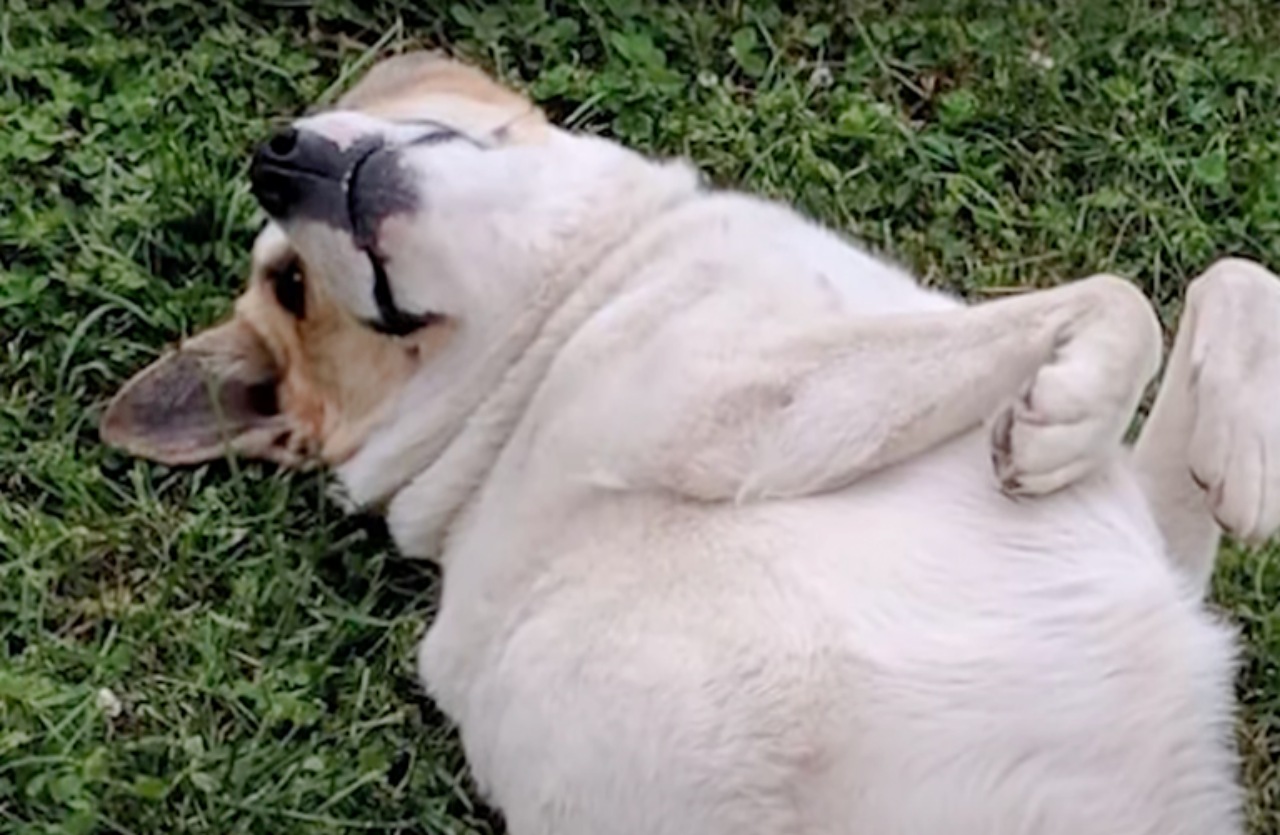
[337,375]
[426,84]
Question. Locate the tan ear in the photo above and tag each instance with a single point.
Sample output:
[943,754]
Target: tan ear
[214,395]
[403,83]
[392,76]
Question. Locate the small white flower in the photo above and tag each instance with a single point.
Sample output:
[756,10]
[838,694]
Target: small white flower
[109,703]
[821,77]
[1040,59]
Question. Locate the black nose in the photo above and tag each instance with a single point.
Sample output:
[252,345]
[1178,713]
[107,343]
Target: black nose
[283,143]
[295,169]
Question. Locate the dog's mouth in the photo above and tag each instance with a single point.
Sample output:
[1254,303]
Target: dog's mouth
[375,190]
[361,221]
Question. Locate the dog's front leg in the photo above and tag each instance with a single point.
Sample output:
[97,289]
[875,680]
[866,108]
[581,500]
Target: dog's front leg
[800,412]
[1210,449]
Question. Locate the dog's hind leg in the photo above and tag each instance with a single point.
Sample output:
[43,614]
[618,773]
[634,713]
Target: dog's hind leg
[787,410]
[1209,455]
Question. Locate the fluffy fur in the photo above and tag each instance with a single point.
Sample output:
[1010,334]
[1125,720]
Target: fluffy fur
[743,530]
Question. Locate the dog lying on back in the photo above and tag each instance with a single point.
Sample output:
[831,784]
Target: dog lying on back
[743,530]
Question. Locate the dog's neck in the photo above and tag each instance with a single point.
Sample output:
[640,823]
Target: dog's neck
[425,480]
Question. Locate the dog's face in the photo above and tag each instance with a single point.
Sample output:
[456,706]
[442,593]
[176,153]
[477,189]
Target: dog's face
[390,218]
[421,234]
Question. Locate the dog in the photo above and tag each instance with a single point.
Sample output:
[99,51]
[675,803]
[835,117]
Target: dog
[742,528]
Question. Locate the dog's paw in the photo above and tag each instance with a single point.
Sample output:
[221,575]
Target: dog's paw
[1235,387]
[1073,413]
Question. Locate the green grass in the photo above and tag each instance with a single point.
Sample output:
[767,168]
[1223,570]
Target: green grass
[260,646]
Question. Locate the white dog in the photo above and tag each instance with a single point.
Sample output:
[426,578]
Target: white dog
[713,488]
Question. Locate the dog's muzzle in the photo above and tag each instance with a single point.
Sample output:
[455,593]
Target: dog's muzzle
[299,174]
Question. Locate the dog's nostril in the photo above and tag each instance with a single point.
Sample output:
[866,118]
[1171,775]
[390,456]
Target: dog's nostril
[283,143]
[296,166]
[275,191]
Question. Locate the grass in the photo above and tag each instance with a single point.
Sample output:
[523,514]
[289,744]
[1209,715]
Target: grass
[217,649]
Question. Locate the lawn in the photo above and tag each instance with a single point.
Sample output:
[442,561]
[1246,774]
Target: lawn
[217,649]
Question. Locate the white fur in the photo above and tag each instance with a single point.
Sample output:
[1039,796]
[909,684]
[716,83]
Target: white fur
[724,551]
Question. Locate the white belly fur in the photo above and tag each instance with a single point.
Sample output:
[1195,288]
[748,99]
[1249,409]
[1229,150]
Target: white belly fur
[915,654]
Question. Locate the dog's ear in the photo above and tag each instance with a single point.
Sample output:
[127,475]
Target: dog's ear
[433,85]
[393,76]
[215,394]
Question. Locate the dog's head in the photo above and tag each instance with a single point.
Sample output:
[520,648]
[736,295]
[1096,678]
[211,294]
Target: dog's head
[421,231]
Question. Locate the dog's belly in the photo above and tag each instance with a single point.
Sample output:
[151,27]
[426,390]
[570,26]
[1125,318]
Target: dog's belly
[916,654]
